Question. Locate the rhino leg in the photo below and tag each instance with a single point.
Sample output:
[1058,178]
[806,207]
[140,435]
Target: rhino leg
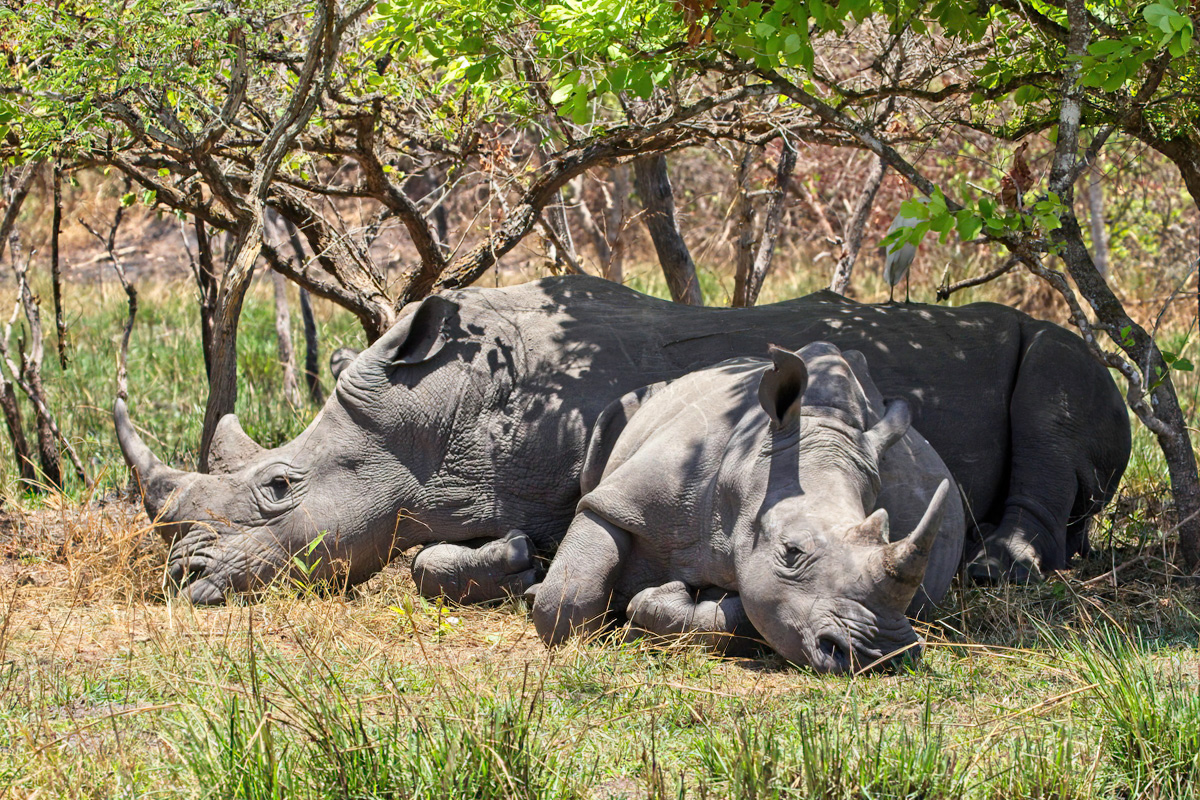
[715,619]
[478,571]
[574,597]
[1070,443]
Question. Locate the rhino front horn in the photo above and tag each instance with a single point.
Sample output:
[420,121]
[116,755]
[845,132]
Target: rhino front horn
[231,448]
[158,481]
[905,560]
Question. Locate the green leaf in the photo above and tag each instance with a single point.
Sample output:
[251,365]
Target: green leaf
[1105,47]
[1155,13]
[969,225]
[1176,362]
[1115,80]
[942,223]
[915,208]
[561,94]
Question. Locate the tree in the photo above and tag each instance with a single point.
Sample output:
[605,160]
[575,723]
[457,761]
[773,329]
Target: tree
[307,115]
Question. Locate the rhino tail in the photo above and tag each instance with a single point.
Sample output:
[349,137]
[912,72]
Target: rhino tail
[607,430]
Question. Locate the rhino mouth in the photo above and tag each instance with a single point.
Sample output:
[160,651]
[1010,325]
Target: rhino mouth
[213,562]
[853,641]
[837,652]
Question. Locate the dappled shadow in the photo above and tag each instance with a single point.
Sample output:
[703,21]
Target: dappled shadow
[576,344]
[471,417]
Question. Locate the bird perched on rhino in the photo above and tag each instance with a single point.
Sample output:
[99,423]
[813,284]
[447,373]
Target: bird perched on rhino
[898,256]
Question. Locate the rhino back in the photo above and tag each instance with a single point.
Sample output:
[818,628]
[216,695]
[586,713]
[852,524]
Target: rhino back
[660,481]
[570,345]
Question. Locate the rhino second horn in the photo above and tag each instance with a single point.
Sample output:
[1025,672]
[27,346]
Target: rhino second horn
[905,560]
[231,448]
[874,529]
[159,482]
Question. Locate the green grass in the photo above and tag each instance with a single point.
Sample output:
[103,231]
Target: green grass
[167,382]
[325,699]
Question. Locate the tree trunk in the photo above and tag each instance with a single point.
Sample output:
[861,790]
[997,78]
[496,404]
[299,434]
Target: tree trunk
[1139,345]
[16,433]
[757,273]
[206,285]
[60,324]
[222,378]
[744,221]
[616,200]
[1093,194]
[283,335]
[312,369]
[556,218]
[606,234]
[858,223]
[28,376]
[31,377]
[1164,415]
[16,188]
[658,200]
[48,454]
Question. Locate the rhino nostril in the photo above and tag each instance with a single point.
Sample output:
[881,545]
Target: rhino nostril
[834,651]
[186,570]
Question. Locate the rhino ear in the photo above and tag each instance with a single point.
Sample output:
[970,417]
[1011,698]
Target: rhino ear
[891,428]
[605,432]
[418,336]
[782,386]
[875,529]
[340,359]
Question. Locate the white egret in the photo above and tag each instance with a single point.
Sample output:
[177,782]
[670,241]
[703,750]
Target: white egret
[898,257]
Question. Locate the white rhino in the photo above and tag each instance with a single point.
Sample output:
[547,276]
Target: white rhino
[773,496]
[469,419]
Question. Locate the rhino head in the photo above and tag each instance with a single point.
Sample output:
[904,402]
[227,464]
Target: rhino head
[818,576]
[332,505]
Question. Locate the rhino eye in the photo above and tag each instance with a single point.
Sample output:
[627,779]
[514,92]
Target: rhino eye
[796,548]
[277,488]
[792,554]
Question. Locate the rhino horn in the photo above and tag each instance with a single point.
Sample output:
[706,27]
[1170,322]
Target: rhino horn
[158,481]
[874,529]
[905,561]
[231,448]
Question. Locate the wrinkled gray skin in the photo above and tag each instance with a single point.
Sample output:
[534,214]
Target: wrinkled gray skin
[746,497]
[466,425]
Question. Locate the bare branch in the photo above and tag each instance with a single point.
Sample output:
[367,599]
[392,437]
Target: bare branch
[60,324]
[858,223]
[944,292]
[130,294]
[20,190]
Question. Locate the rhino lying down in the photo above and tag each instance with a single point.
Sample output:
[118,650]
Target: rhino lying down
[469,419]
[759,493]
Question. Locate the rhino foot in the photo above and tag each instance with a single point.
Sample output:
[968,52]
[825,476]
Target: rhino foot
[1004,560]
[476,572]
[715,619]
